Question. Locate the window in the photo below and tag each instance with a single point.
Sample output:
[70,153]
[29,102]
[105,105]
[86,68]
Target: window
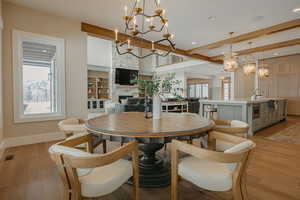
[226,86]
[199,90]
[39,72]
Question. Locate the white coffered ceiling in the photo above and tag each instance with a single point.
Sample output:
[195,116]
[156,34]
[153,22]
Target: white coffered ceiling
[189,19]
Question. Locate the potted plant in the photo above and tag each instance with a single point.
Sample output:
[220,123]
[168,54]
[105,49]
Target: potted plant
[156,88]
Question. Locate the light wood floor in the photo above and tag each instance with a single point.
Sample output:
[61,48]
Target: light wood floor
[273,174]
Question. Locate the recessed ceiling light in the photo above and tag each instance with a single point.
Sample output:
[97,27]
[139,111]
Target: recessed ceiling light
[194,43]
[276,54]
[296,10]
[44,51]
[212,18]
[258,18]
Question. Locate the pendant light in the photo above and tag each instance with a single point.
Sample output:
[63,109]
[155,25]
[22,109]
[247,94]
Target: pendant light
[263,71]
[250,64]
[230,59]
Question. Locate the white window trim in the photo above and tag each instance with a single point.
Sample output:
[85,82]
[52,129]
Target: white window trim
[18,38]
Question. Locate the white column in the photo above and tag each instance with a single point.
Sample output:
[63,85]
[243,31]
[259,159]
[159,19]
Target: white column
[233,86]
[256,81]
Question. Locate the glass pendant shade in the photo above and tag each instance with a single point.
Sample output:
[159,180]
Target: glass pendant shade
[249,68]
[230,63]
[263,73]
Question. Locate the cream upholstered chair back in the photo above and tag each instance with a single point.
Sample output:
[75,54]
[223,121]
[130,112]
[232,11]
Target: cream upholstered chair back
[211,170]
[233,127]
[93,175]
[72,126]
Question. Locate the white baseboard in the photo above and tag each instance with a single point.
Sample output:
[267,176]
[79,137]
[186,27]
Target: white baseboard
[32,139]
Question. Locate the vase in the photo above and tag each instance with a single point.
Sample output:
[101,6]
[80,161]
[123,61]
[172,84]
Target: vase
[147,108]
[156,109]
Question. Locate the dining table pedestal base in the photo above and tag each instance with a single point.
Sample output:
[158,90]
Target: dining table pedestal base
[154,171]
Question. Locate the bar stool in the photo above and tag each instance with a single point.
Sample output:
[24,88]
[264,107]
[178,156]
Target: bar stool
[209,111]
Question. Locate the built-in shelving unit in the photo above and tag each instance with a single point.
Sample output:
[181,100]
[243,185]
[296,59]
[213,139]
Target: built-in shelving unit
[180,106]
[98,90]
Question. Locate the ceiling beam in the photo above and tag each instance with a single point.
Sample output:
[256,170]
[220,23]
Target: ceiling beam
[110,35]
[248,36]
[263,48]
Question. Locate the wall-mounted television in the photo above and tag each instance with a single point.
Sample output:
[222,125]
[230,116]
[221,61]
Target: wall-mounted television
[126,76]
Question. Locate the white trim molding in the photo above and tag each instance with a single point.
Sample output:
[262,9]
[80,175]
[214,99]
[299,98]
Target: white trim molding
[59,76]
[33,139]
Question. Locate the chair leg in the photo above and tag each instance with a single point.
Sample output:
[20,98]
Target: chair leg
[136,185]
[76,196]
[244,189]
[67,195]
[237,192]
[104,146]
[174,173]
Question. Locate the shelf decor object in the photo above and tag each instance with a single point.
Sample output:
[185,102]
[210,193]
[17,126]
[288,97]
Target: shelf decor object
[250,64]
[230,60]
[138,25]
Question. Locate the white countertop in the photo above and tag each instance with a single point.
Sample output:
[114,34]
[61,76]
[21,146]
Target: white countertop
[240,101]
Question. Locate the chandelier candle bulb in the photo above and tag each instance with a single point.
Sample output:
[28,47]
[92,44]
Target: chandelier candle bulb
[128,44]
[166,28]
[158,3]
[125,9]
[116,34]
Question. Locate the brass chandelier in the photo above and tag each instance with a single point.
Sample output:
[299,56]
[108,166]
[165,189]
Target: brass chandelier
[156,22]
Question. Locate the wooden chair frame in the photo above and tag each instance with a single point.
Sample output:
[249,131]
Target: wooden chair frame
[67,165]
[229,130]
[238,187]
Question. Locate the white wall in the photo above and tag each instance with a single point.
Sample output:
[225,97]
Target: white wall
[99,52]
[28,20]
[243,84]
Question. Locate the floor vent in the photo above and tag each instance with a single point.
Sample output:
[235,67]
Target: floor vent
[9,157]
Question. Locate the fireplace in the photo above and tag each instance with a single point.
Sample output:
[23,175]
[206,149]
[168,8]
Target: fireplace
[124,97]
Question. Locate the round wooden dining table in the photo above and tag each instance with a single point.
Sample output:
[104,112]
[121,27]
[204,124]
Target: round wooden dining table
[152,135]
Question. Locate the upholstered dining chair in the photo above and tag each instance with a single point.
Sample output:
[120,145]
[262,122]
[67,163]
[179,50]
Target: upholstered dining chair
[232,127]
[75,128]
[211,170]
[87,175]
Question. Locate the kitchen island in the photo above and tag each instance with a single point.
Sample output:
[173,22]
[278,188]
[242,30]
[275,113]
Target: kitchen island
[258,113]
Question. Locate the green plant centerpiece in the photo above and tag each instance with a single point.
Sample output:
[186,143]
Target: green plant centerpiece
[156,88]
